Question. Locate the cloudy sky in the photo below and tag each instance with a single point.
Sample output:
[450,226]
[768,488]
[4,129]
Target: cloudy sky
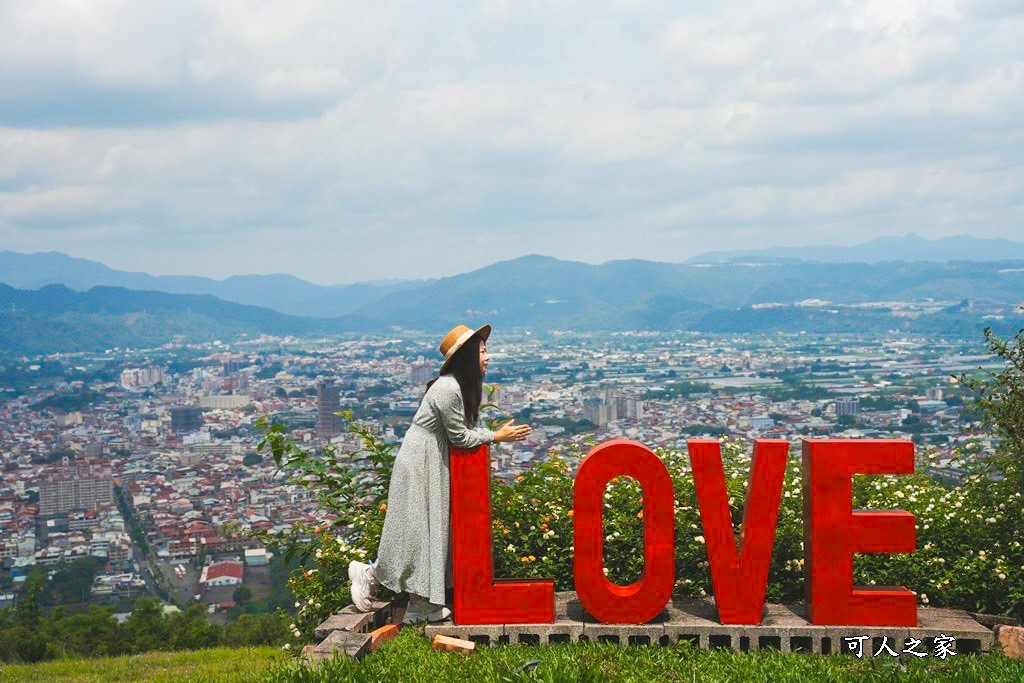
[344,141]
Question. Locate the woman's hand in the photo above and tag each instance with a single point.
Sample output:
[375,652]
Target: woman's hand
[511,432]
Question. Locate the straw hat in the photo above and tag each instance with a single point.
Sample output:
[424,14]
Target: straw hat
[453,341]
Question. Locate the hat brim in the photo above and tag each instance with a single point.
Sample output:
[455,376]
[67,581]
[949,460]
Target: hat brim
[483,332]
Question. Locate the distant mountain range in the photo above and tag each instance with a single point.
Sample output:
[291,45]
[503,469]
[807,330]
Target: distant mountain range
[284,293]
[545,293]
[909,247]
[553,294]
[294,296]
[55,318]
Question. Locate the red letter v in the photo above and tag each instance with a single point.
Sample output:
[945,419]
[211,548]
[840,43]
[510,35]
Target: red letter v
[739,582]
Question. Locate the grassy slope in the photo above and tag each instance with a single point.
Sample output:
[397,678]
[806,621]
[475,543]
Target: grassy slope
[224,665]
[409,658]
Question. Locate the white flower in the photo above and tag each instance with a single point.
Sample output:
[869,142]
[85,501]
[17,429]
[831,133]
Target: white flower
[1002,576]
[286,646]
[699,539]
[924,598]
[310,601]
[297,604]
[605,571]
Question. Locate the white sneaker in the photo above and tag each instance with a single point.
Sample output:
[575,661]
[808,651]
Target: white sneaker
[418,613]
[364,585]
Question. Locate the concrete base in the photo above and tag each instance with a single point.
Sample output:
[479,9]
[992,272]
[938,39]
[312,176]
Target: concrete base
[783,628]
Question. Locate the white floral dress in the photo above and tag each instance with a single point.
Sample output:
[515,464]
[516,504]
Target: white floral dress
[414,545]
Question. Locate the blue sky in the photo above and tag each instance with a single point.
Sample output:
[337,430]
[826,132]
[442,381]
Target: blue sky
[344,141]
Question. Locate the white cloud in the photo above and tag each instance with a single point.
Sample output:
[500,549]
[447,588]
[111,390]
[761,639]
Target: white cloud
[345,141]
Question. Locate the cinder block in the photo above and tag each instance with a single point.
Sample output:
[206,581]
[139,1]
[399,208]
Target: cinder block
[559,631]
[345,621]
[383,612]
[351,619]
[453,644]
[354,645]
[625,634]
[992,620]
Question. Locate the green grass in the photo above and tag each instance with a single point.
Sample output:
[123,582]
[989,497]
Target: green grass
[409,658]
[220,665]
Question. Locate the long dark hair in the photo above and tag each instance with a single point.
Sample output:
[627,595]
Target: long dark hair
[465,367]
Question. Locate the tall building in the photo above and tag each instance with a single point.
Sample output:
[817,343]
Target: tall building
[600,412]
[225,402]
[81,486]
[629,408]
[421,371]
[186,419]
[142,377]
[232,363]
[933,393]
[327,404]
[848,405]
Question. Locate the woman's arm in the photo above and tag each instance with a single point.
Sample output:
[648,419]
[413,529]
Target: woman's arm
[449,405]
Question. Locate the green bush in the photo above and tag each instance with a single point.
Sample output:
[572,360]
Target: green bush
[27,634]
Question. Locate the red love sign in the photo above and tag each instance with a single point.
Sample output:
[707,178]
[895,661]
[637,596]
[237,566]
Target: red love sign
[832,533]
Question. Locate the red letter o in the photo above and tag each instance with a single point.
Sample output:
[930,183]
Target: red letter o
[643,600]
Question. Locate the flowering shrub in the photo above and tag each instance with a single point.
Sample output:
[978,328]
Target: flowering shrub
[350,492]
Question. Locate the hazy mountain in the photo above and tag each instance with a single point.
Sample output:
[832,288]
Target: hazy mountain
[284,293]
[543,291]
[56,318]
[909,247]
